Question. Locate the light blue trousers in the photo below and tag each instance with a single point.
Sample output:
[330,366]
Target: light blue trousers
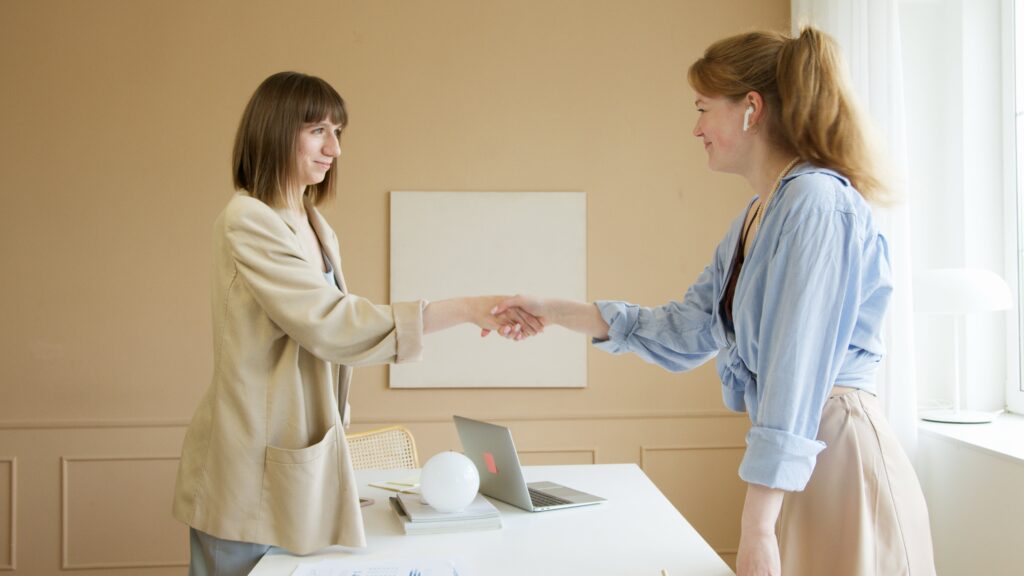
[212,556]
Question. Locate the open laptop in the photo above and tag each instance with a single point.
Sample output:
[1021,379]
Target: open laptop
[490,448]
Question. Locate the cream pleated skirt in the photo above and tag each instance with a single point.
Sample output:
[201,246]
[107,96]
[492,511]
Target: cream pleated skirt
[863,512]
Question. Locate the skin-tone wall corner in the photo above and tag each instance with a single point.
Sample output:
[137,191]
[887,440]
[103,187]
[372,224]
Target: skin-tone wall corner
[117,120]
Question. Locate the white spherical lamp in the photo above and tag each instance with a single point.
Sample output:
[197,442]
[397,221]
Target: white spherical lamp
[449,482]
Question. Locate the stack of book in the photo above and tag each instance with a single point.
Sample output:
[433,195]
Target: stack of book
[417,517]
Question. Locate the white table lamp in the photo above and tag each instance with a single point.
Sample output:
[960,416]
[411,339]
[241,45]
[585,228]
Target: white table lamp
[958,292]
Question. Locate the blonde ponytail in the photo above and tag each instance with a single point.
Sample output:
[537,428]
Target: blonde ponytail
[819,115]
[810,110]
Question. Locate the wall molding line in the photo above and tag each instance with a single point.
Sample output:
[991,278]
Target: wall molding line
[591,450]
[65,563]
[13,534]
[731,551]
[80,424]
[524,417]
[686,447]
[376,420]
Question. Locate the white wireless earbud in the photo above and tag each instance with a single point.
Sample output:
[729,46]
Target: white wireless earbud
[746,118]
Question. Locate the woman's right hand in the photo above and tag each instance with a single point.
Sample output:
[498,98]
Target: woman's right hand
[758,555]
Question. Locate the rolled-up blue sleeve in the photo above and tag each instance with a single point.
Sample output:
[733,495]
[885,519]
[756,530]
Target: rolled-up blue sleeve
[808,314]
[676,336]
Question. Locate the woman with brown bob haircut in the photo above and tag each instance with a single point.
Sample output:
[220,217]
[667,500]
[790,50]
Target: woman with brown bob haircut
[792,306]
[265,461]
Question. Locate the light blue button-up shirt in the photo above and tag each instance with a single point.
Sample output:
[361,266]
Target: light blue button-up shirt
[808,311]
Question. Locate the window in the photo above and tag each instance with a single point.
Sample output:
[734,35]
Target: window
[961,124]
[1013,49]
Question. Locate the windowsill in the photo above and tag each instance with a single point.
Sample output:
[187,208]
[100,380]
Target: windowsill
[1004,437]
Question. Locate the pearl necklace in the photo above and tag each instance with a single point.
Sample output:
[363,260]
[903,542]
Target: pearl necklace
[763,207]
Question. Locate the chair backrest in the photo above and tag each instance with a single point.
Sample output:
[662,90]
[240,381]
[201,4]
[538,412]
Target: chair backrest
[383,449]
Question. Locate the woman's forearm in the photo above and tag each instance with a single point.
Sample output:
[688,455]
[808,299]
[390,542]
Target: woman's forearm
[579,316]
[443,314]
[758,553]
[761,509]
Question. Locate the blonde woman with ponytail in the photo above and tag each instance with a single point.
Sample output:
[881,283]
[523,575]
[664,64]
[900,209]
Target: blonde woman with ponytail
[792,306]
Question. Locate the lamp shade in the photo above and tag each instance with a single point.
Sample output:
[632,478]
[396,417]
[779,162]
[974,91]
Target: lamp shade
[960,291]
[449,482]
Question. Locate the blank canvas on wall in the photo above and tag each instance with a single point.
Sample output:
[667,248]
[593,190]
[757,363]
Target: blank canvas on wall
[449,244]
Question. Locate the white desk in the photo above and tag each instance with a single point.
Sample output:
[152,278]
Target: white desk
[637,532]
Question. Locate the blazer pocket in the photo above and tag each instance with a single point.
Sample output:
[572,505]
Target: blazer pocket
[301,490]
[303,455]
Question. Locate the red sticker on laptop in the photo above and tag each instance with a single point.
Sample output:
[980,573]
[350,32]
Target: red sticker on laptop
[489,461]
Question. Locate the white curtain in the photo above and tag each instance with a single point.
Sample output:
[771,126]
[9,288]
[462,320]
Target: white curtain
[869,34]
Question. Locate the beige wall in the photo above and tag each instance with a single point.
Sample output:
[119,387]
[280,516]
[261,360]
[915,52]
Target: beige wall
[116,120]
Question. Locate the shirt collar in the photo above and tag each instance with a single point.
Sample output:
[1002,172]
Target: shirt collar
[808,168]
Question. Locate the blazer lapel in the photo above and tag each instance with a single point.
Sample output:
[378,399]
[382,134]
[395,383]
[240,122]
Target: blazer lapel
[328,242]
[289,220]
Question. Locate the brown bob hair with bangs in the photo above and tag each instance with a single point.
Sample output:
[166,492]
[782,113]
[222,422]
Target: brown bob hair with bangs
[263,160]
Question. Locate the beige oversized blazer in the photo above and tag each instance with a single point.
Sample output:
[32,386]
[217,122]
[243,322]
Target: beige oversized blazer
[265,458]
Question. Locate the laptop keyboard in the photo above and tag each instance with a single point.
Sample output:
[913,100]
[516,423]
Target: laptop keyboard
[543,499]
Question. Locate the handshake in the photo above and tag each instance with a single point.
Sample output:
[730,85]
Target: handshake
[515,317]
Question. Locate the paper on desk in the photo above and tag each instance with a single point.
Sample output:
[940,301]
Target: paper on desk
[379,568]
[407,485]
